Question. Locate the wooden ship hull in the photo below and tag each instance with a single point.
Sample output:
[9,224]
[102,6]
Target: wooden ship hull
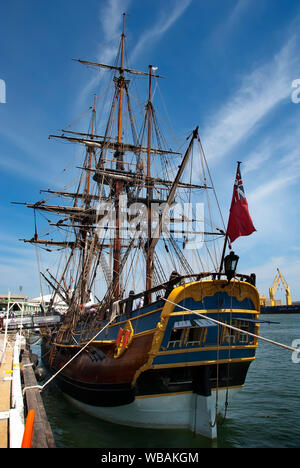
[171,358]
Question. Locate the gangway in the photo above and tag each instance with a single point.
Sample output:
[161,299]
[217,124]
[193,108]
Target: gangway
[29,322]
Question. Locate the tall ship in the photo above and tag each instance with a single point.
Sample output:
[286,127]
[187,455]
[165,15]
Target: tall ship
[151,337]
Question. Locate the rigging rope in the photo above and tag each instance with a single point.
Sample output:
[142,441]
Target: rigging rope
[41,387]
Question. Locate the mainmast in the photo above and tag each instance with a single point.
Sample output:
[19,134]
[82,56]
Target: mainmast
[149,253]
[119,185]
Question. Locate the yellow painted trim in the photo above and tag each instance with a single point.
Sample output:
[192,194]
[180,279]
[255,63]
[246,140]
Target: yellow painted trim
[104,341]
[147,332]
[200,363]
[197,290]
[237,289]
[59,345]
[204,348]
[216,311]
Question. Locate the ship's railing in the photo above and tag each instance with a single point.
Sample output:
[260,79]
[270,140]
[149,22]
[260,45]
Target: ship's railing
[181,279]
[113,308]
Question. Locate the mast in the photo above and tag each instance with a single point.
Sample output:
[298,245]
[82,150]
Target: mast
[149,253]
[90,151]
[173,189]
[84,232]
[119,185]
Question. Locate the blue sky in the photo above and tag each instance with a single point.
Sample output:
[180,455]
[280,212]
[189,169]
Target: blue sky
[229,67]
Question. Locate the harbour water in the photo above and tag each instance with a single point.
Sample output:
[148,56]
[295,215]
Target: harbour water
[266,413]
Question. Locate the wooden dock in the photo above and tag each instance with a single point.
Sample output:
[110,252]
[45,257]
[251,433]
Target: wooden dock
[6,363]
[32,400]
[42,432]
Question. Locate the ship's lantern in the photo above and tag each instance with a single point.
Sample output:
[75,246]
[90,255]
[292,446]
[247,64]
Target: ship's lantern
[230,264]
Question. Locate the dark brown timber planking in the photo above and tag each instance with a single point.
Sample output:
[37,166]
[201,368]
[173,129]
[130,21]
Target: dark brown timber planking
[42,432]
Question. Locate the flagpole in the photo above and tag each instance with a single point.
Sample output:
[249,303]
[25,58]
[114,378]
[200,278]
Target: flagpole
[223,255]
[226,235]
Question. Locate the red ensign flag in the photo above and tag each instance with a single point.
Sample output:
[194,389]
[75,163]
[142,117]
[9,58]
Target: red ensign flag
[240,222]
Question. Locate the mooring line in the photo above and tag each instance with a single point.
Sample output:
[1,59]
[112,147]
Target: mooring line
[290,348]
[41,387]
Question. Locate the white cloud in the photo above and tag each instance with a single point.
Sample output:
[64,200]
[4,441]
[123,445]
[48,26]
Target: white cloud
[161,26]
[24,170]
[110,18]
[260,92]
[111,23]
[276,184]
[258,158]
[222,33]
